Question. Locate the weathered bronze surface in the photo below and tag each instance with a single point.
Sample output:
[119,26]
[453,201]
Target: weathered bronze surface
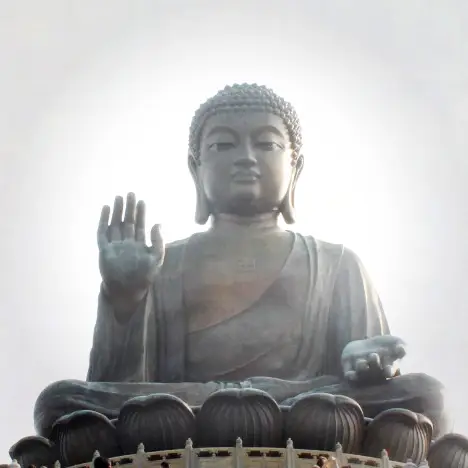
[244,304]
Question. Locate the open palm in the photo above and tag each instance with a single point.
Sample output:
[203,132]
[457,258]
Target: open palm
[125,261]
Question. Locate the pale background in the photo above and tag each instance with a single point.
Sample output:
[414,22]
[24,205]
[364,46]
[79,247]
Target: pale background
[96,98]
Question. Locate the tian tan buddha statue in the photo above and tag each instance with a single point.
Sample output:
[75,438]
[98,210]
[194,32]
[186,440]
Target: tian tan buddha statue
[244,304]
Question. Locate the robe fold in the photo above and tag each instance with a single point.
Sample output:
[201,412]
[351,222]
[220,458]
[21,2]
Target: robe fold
[339,305]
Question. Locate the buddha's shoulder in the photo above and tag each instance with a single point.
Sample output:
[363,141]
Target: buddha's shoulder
[177,244]
[175,248]
[329,250]
[324,247]
[173,254]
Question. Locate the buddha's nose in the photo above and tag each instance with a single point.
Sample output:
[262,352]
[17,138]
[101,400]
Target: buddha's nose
[246,158]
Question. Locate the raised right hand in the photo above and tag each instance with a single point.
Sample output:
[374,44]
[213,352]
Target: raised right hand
[127,264]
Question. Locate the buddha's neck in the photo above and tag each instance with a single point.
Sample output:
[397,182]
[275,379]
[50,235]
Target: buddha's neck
[232,224]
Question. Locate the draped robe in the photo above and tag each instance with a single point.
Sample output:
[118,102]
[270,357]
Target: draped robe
[287,340]
[334,304]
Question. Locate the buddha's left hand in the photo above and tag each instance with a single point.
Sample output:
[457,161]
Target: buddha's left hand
[373,359]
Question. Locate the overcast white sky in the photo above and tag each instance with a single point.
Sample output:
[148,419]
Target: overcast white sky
[96,99]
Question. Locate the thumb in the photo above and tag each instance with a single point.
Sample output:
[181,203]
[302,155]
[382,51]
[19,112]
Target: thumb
[157,243]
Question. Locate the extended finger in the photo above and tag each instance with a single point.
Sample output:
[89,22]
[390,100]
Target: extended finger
[388,368]
[157,243]
[129,218]
[116,222]
[361,366]
[140,222]
[400,351]
[103,226]
[373,360]
[117,211]
[130,208]
[351,375]
[348,371]
[387,360]
[388,371]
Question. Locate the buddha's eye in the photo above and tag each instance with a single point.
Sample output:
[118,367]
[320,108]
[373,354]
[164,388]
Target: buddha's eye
[269,146]
[221,146]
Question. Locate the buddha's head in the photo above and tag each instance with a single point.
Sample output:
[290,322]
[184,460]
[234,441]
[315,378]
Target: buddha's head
[245,154]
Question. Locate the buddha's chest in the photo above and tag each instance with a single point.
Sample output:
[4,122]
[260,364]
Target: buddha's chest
[222,280]
[214,262]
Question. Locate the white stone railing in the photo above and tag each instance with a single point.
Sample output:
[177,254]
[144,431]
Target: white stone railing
[242,457]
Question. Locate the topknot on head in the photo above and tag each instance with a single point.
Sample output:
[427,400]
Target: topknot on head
[246,96]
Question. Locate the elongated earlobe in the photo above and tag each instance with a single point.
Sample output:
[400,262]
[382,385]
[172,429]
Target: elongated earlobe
[202,208]
[287,208]
[202,211]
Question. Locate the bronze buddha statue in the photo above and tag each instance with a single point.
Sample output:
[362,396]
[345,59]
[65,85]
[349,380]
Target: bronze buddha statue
[246,303]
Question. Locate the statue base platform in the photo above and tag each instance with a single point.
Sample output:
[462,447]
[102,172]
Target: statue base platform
[242,428]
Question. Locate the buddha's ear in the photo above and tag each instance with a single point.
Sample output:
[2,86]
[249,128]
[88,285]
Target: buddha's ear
[287,208]
[202,210]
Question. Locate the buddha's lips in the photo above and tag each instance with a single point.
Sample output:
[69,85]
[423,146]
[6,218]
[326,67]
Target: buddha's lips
[245,175]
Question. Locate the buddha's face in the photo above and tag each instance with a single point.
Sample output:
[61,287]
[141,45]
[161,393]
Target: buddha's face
[246,165]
